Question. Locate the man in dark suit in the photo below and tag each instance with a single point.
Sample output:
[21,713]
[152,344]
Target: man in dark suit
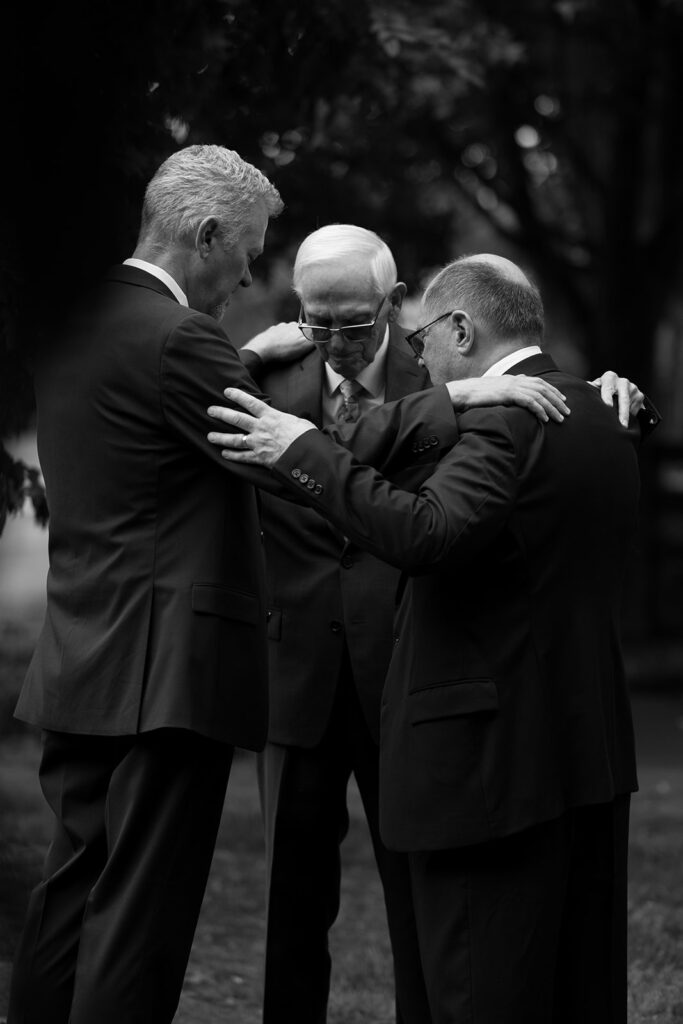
[330,612]
[507,745]
[151,665]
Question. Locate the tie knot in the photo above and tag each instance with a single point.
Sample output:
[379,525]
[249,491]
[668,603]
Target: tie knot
[350,388]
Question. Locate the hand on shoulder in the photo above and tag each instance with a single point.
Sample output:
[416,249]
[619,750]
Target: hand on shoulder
[532,393]
[282,342]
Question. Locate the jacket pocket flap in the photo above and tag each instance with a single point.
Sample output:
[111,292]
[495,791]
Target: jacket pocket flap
[211,599]
[448,700]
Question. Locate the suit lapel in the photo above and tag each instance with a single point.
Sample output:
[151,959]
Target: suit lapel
[304,388]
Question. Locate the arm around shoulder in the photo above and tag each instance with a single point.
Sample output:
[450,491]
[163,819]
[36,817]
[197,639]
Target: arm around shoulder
[457,510]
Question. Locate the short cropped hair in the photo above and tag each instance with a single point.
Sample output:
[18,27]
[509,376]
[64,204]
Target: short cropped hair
[202,181]
[510,306]
[337,242]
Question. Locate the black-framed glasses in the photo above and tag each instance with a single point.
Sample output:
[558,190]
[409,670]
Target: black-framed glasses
[351,332]
[416,340]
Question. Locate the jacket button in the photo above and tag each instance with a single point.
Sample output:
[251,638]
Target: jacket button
[296,473]
[311,484]
[335,626]
[433,440]
[318,489]
[347,561]
[303,478]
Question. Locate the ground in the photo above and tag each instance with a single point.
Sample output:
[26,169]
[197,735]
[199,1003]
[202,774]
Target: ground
[223,981]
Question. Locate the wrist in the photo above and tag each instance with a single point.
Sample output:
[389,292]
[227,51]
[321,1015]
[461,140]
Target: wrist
[259,348]
[458,394]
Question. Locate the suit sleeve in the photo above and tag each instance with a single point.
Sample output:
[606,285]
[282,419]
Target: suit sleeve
[252,363]
[457,511]
[648,418]
[198,361]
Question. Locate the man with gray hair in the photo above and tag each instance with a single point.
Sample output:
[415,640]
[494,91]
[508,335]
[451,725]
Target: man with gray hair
[151,665]
[507,754]
[331,606]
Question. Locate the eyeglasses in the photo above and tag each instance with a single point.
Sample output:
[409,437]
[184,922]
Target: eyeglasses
[416,340]
[351,332]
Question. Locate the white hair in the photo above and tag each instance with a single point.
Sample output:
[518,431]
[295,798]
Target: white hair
[203,181]
[337,242]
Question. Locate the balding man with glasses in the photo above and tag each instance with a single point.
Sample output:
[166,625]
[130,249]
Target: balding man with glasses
[330,629]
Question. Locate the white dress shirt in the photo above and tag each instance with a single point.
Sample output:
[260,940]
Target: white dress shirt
[504,364]
[373,378]
[162,276]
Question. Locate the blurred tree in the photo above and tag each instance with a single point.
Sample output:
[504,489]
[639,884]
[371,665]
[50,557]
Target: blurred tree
[86,122]
[559,123]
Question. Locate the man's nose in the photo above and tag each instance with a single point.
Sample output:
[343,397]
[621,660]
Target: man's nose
[246,279]
[337,344]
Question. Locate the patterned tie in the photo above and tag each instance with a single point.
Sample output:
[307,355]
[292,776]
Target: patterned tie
[350,410]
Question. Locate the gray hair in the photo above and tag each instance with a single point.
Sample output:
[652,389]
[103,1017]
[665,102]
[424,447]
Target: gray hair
[202,181]
[337,242]
[496,294]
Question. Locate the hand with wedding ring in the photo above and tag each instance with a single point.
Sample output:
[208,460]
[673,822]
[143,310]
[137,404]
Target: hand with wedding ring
[267,432]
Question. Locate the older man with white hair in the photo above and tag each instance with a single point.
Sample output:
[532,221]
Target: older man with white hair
[330,640]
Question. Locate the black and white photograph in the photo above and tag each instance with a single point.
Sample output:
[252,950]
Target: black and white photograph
[341,512]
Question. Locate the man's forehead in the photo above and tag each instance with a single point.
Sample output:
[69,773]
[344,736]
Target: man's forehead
[338,283]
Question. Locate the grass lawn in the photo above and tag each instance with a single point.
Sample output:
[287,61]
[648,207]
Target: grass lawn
[223,981]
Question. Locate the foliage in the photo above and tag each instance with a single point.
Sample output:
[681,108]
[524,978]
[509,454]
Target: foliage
[19,482]
[557,124]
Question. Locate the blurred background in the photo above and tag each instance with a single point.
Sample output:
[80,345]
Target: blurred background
[548,132]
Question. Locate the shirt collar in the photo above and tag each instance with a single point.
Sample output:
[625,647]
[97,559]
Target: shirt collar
[162,275]
[510,360]
[372,376]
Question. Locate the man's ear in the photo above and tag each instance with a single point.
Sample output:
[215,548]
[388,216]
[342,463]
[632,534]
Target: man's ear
[396,297]
[207,236]
[463,330]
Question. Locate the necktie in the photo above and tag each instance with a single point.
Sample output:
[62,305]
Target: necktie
[350,410]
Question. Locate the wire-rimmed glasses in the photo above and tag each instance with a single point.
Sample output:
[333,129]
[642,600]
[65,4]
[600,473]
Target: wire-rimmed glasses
[351,332]
[416,340]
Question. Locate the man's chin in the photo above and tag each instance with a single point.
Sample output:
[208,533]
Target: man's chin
[346,367]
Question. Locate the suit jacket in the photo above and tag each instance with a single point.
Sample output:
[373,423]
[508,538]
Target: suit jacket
[325,594]
[156,607]
[505,700]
